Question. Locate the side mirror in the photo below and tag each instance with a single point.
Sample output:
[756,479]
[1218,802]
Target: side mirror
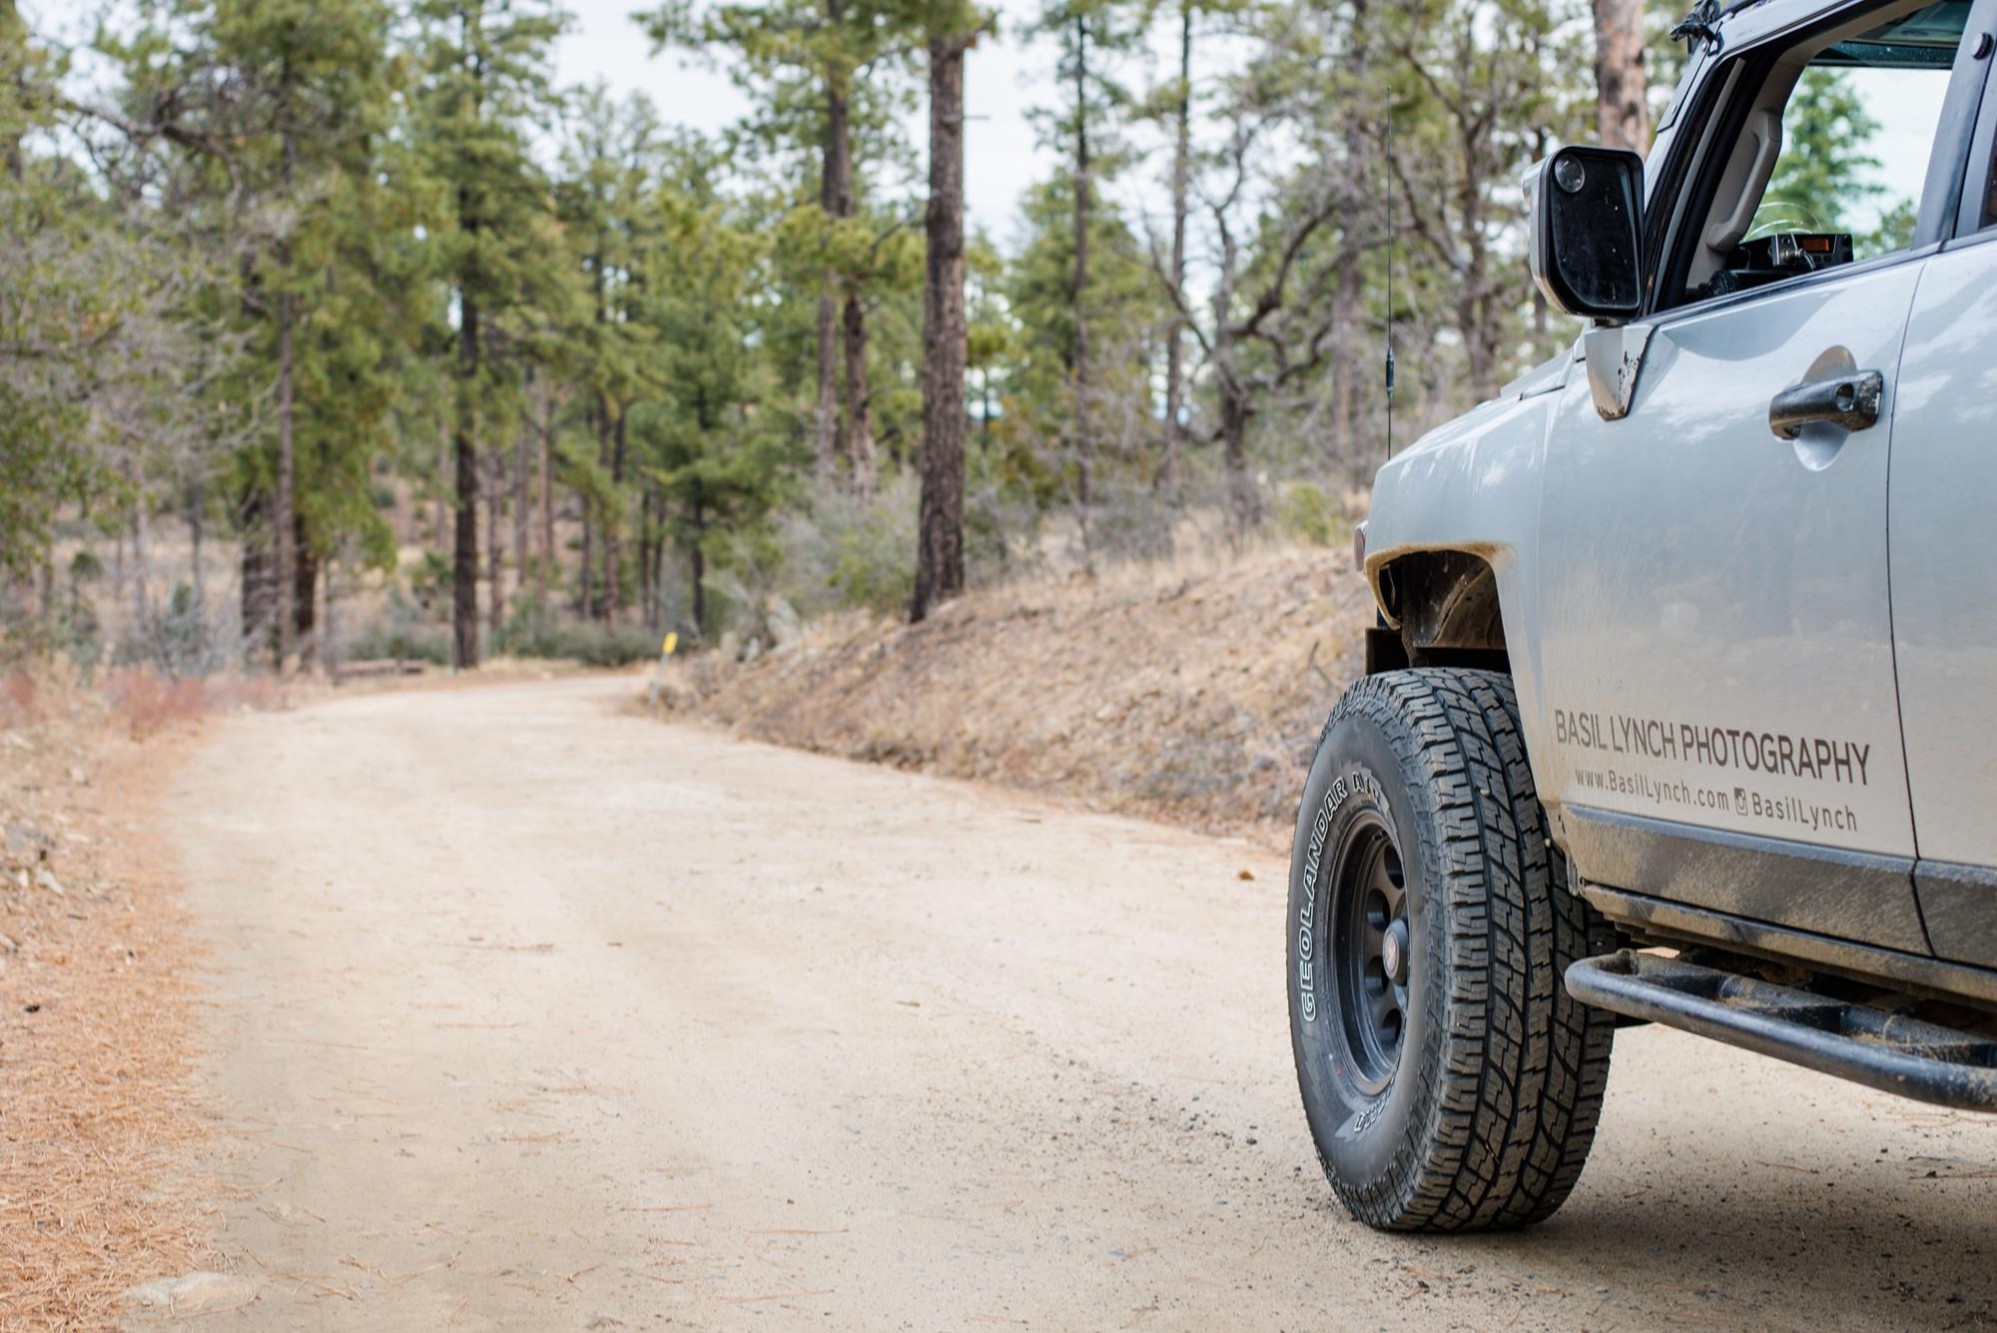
[1587,229]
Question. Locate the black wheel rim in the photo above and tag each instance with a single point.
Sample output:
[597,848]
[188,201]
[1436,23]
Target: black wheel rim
[1370,939]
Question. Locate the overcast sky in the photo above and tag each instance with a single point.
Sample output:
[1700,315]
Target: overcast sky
[1003,80]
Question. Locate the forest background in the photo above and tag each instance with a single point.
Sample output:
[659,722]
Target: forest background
[336,330]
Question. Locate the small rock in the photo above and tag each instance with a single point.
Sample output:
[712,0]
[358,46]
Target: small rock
[1246,874]
[48,881]
[193,1293]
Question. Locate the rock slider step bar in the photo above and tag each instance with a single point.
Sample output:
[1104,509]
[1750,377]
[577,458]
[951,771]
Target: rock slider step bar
[1890,1052]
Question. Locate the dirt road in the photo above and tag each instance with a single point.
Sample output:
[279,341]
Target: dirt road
[529,1013]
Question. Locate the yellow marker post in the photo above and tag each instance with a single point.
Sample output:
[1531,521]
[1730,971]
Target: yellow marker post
[666,649]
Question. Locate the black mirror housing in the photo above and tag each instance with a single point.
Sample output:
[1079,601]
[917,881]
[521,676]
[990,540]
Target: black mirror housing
[1587,232]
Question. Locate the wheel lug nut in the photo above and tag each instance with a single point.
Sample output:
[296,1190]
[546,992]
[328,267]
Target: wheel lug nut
[1394,953]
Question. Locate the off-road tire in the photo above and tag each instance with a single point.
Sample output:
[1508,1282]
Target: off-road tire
[1493,1089]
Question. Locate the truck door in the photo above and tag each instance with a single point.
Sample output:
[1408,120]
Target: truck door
[1943,546]
[1719,654]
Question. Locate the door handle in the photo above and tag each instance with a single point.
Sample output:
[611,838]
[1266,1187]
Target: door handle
[1849,400]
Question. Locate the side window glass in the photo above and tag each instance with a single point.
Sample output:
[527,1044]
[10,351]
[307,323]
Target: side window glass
[1831,163]
[1855,147]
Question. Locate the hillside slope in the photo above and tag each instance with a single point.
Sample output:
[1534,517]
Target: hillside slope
[1193,695]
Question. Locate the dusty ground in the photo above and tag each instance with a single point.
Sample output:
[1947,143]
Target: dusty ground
[526,1015]
[1189,691]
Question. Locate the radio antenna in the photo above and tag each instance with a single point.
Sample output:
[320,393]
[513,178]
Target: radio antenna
[1387,177]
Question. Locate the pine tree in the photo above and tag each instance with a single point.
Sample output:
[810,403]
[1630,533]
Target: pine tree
[495,244]
[715,460]
[1090,34]
[815,68]
[950,28]
[606,169]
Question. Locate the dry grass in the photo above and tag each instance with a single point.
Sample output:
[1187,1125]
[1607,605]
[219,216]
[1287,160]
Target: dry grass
[1190,692]
[149,703]
[95,1094]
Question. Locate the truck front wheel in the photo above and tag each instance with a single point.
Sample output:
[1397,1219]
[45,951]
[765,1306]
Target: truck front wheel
[1450,1082]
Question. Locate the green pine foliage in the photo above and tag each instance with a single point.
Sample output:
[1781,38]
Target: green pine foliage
[518,358]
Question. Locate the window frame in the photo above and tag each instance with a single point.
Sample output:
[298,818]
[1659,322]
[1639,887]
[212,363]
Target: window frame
[1708,131]
[1975,218]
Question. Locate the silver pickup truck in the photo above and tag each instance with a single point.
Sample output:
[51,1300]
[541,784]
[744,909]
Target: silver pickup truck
[1682,705]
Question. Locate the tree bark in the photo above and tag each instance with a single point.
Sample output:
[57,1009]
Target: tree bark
[835,200]
[446,485]
[939,562]
[825,411]
[860,451]
[1622,84]
[464,563]
[520,511]
[1175,337]
[282,501]
[586,573]
[495,549]
[697,562]
[285,502]
[550,566]
[613,528]
[257,631]
[304,594]
[1083,445]
[1244,503]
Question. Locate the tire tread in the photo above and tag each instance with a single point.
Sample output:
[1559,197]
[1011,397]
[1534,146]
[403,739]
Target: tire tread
[1512,1105]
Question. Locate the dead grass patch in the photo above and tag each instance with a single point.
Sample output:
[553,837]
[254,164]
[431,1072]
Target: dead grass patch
[1191,692]
[96,1113]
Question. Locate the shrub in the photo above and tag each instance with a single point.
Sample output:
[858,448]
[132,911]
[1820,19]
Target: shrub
[401,632]
[176,641]
[1306,514]
[149,701]
[841,555]
[534,630]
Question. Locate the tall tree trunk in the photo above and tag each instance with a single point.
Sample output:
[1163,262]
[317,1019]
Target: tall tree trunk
[520,511]
[586,574]
[613,528]
[645,557]
[1244,503]
[285,574]
[257,631]
[835,199]
[1622,84]
[825,411]
[939,561]
[696,557]
[446,486]
[329,642]
[304,594]
[859,399]
[1345,304]
[1083,444]
[550,567]
[464,562]
[1175,337]
[285,501]
[495,549]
